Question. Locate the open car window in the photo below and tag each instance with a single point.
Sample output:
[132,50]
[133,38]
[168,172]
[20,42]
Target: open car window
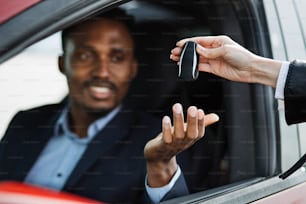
[24,82]
[245,146]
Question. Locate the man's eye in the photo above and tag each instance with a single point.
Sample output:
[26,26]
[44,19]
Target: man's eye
[117,58]
[83,56]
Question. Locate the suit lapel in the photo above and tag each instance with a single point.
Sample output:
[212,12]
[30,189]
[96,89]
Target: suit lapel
[112,133]
[34,141]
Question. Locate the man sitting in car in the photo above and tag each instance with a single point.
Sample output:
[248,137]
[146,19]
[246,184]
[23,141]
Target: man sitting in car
[93,143]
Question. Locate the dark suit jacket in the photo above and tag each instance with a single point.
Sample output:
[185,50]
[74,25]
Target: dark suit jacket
[295,93]
[113,168]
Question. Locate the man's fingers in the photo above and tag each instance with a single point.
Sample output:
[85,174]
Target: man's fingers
[193,129]
[192,122]
[210,119]
[166,128]
[201,124]
[178,121]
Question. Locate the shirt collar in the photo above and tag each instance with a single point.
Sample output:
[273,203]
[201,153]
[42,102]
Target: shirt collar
[62,128]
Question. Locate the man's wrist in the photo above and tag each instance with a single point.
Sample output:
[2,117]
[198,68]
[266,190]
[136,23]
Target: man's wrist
[157,194]
[160,173]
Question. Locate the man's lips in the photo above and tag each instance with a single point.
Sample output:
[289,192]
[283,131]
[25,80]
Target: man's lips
[100,89]
[99,92]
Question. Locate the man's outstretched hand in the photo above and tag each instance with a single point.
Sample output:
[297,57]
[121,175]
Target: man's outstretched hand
[160,152]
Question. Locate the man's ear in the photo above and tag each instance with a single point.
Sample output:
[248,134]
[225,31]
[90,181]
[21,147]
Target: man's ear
[61,64]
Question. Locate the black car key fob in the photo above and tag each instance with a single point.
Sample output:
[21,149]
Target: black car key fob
[188,66]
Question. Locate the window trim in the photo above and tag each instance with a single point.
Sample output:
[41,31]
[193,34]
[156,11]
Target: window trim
[64,14]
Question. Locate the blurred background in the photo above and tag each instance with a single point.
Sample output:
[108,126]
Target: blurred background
[21,79]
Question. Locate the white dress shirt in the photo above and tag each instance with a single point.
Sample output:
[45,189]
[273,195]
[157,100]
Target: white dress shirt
[281,80]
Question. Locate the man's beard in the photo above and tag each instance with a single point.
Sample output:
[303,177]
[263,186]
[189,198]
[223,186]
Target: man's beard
[94,112]
[101,112]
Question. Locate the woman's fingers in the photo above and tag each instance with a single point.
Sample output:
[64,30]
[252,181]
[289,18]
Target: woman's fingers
[207,41]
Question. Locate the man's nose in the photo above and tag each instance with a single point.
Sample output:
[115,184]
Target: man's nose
[102,68]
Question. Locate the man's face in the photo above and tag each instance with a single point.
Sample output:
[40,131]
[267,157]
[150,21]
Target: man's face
[99,64]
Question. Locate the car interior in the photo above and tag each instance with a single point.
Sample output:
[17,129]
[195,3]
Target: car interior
[158,27]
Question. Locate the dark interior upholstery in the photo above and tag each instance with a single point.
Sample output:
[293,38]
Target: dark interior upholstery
[157,86]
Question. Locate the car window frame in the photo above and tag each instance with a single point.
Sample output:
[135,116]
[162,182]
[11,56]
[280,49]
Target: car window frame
[66,13]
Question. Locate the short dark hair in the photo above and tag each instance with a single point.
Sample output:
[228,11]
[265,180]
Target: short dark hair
[114,14]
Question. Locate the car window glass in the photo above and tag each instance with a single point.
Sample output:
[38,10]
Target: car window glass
[31,79]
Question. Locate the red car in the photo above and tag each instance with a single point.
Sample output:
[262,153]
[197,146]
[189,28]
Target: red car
[256,144]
